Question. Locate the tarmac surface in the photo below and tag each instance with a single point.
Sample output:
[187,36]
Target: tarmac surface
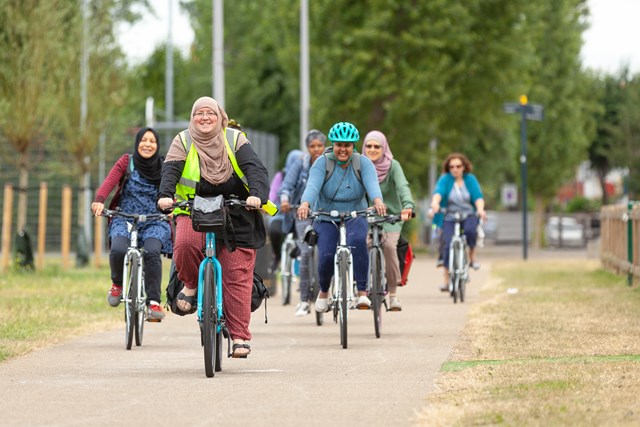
[297,373]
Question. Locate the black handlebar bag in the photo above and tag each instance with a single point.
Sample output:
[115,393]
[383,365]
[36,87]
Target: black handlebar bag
[209,214]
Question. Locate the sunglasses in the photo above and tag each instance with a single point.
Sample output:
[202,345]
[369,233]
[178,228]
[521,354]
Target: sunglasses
[373,147]
[455,166]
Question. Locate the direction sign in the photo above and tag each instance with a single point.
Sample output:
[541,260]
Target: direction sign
[511,107]
[534,112]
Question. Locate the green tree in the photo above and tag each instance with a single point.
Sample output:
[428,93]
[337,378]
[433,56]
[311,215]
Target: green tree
[31,76]
[559,143]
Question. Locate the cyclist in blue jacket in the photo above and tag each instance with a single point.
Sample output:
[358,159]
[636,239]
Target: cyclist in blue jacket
[345,190]
[457,190]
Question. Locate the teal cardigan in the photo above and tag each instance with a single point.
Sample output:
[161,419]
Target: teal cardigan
[444,186]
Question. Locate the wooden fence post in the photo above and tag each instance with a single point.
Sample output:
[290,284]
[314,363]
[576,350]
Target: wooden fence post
[97,241]
[65,237]
[42,224]
[6,226]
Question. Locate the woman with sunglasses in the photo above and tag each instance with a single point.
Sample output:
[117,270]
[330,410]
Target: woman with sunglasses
[397,196]
[457,190]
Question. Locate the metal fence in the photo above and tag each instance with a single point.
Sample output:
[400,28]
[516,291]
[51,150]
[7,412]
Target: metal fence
[620,239]
[264,144]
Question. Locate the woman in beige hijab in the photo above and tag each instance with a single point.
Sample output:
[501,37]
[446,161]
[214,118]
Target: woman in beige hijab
[207,130]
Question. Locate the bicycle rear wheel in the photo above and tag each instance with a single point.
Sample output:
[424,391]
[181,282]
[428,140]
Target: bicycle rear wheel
[342,300]
[286,276]
[130,312]
[376,293]
[209,320]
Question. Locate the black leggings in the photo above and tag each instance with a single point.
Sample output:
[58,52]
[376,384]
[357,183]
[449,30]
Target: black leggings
[152,264]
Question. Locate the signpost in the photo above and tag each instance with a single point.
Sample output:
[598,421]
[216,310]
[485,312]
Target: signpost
[527,112]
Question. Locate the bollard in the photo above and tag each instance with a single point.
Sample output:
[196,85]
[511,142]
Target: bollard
[65,232]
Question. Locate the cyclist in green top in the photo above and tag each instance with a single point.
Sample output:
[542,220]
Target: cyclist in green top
[397,196]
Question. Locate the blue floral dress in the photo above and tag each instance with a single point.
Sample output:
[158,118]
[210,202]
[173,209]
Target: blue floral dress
[139,196]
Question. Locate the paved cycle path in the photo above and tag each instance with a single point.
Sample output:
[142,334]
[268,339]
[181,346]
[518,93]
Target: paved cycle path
[297,374]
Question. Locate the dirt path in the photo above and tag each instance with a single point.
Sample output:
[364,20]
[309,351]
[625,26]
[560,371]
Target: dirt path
[297,374]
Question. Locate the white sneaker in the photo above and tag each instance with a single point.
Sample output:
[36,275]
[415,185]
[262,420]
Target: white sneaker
[322,305]
[302,309]
[363,303]
[394,304]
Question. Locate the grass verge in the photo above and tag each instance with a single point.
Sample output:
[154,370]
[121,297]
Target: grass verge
[42,308]
[563,350]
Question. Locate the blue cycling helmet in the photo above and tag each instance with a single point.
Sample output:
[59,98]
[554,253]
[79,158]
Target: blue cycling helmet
[344,132]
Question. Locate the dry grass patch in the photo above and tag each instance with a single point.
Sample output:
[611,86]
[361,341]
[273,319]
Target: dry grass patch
[563,350]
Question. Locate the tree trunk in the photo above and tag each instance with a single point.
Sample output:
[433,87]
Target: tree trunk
[538,223]
[23,183]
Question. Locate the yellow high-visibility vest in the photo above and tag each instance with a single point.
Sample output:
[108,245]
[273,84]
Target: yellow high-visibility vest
[186,187]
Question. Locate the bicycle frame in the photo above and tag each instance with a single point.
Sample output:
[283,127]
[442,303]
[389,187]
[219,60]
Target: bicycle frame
[342,248]
[287,267]
[210,257]
[458,265]
[140,302]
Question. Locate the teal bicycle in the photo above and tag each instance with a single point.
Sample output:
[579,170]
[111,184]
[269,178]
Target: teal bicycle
[210,311]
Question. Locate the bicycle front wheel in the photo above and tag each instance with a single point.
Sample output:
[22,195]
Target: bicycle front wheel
[342,299]
[141,308]
[376,292]
[314,282]
[209,320]
[130,309]
[455,271]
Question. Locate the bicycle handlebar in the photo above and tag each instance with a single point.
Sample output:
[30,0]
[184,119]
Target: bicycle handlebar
[235,203]
[135,217]
[341,215]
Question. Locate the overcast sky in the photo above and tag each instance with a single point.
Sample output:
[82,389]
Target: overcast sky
[612,40]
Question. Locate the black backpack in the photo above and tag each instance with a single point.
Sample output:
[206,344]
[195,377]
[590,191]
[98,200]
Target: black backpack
[330,164]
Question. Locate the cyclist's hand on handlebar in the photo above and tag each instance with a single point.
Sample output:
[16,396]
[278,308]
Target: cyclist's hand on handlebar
[380,207]
[405,215]
[253,202]
[165,203]
[285,206]
[303,211]
[97,208]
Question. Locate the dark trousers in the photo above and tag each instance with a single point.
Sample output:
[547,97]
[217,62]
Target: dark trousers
[328,236]
[152,264]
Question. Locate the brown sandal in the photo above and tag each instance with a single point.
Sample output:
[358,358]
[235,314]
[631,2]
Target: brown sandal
[239,354]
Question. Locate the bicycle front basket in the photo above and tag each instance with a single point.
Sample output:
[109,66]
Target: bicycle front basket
[209,214]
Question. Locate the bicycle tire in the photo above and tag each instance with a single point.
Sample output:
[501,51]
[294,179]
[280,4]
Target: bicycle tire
[376,292]
[343,271]
[130,312]
[209,320]
[286,276]
[455,272]
[464,276]
[140,308]
[314,282]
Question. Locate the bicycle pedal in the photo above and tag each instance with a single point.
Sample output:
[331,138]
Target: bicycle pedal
[154,320]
